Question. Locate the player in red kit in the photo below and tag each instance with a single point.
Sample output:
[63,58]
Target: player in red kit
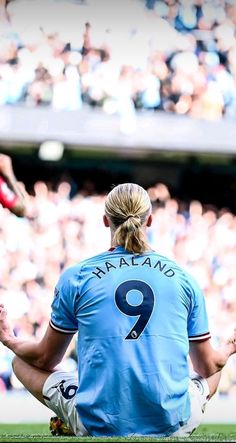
[11,195]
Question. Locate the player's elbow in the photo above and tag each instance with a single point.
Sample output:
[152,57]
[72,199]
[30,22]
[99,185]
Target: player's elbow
[47,362]
[207,372]
[205,359]
[41,362]
[207,369]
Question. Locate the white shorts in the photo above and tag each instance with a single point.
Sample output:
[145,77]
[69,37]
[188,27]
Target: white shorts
[59,394]
[199,393]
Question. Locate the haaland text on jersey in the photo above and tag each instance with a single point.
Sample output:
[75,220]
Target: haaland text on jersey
[132,261]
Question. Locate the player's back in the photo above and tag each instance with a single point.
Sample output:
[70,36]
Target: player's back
[132,344]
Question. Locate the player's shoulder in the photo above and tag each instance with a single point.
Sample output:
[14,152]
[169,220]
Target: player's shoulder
[75,270]
[168,261]
[183,275]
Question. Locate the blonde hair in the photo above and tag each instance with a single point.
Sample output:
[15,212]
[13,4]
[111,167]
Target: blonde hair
[127,206]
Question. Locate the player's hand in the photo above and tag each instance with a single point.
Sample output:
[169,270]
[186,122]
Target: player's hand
[6,165]
[6,332]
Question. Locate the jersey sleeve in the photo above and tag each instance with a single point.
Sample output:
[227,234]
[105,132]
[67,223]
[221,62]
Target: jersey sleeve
[198,328]
[63,317]
[8,198]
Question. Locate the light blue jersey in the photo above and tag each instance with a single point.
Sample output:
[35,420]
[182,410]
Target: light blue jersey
[135,315]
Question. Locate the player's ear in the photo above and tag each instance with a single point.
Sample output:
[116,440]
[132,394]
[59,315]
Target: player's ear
[149,220]
[106,221]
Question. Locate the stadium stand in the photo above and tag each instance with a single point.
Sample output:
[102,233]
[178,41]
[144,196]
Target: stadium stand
[176,56]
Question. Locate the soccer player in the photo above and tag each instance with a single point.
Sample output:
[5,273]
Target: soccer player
[11,195]
[139,317]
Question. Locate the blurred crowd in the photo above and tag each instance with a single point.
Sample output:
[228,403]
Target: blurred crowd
[59,230]
[174,56]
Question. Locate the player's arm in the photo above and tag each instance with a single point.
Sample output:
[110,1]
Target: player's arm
[11,194]
[206,360]
[44,354]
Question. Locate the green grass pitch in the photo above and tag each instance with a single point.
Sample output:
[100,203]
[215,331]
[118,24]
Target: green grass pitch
[40,433]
